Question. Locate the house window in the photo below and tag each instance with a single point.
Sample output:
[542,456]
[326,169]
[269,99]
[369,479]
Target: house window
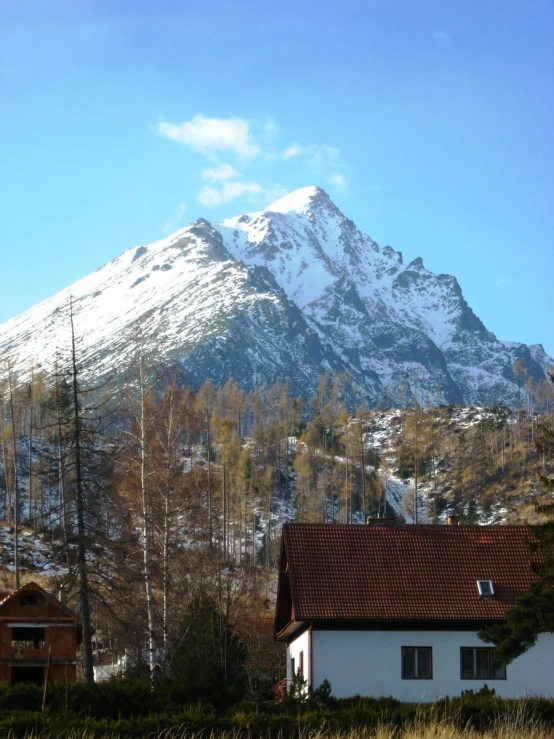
[480,664]
[486,589]
[27,637]
[301,664]
[28,599]
[292,667]
[417,663]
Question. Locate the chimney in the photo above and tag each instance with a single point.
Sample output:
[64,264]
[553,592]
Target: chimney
[62,595]
[372,521]
[452,520]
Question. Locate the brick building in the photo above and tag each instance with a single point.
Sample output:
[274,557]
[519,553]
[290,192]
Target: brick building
[38,635]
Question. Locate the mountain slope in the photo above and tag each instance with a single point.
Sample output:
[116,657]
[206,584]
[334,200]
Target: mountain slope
[288,292]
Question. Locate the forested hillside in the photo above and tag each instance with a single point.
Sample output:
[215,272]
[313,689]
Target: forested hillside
[159,508]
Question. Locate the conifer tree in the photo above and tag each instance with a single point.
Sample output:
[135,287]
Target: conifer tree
[533,613]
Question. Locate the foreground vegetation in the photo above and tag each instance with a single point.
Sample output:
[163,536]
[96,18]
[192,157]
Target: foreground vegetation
[131,710]
[503,729]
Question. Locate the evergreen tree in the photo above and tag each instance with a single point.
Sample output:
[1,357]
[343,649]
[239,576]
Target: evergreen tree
[208,660]
[533,613]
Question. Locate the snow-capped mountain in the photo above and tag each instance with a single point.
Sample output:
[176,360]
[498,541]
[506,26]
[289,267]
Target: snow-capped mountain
[291,291]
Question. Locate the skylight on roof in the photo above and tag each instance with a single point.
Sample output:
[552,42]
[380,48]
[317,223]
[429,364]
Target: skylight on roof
[486,588]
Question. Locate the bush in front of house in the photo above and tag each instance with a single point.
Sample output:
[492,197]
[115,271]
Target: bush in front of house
[20,697]
[112,700]
[131,709]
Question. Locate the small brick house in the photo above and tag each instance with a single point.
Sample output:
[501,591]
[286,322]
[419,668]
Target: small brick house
[382,610]
[38,635]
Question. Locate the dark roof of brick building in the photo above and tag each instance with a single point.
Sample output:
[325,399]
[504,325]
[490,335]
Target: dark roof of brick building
[378,573]
[66,614]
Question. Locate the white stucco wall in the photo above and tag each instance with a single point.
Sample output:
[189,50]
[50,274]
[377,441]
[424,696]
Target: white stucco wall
[301,644]
[369,663]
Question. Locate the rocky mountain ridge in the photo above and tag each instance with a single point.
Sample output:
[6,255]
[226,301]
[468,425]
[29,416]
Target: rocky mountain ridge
[291,291]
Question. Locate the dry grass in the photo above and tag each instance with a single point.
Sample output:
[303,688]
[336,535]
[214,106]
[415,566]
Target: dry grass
[505,728]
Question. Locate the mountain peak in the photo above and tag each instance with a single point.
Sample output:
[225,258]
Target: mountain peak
[290,291]
[299,201]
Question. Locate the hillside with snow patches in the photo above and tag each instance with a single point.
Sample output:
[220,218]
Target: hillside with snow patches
[291,291]
[41,552]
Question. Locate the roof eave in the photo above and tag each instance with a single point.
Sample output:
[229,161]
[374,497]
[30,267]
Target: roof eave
[290,631]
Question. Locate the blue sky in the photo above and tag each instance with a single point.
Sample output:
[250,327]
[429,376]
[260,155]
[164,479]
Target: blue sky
[428,122]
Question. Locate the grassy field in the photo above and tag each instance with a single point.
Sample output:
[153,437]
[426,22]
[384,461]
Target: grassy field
[132,711]
[510,728]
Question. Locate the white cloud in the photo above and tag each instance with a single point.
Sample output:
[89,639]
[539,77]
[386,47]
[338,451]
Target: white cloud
[324,162]
[171,222]
[441,37]
[220,172]
[229,191]
[337,180]
[243,156]
[292,151]
[212,134]
[315,155]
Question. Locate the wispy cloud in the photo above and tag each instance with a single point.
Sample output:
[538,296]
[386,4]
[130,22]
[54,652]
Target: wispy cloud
[229,191]
[441,37]
[321,160]
[292,151]
[338,181]
[173,220]
[314,154]
[501,281]
[220,172]
[209,135]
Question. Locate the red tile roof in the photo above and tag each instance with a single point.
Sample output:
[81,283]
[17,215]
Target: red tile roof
[400,573]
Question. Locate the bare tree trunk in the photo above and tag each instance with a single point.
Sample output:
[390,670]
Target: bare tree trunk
[210,512]
[165,557]
[84,594]
[61,495]
[147,532]
[254,540]
[167,535]
[15,483]
[363,471]
[32,519]
[268,530]
[416,468]
[8,499]
[224,514]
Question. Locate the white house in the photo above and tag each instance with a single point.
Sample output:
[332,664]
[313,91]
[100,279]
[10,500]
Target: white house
[387,610]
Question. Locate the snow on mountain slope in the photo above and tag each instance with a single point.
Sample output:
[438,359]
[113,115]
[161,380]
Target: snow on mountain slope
[380,315]
[315,245]
[287,292]
[144,293]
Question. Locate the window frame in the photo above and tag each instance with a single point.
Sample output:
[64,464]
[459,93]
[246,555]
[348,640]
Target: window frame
[486,589]
[416,662]
[490,664]
[29,599]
